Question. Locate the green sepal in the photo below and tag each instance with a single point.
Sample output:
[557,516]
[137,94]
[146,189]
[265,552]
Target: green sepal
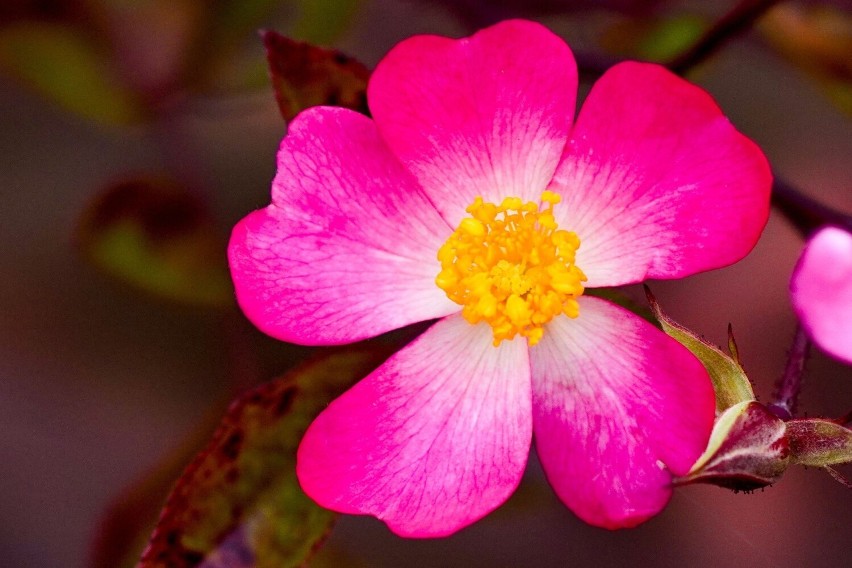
[729,379]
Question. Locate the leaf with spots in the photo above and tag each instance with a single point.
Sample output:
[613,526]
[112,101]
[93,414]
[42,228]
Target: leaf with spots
[304,75]
[160,238]
[239,502]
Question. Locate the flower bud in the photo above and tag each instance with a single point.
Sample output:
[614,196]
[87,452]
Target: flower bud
[748,449]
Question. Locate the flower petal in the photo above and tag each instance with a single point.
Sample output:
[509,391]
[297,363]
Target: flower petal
[821,289]
[656,182]
[483,116]
[618,407]
[430,442]
[347,250]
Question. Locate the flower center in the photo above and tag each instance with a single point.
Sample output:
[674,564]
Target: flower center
[509,265]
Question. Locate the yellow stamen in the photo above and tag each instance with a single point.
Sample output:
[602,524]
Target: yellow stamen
[511,266]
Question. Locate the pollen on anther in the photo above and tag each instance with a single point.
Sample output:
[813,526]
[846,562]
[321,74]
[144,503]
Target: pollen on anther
[510,266]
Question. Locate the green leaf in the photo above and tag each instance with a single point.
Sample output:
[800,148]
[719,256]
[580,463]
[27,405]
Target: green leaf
[666,39]
[304,75]
[62,64]
[729,379]
[819,442]
[320,22]
[158,237]
[239,502]
[748,449]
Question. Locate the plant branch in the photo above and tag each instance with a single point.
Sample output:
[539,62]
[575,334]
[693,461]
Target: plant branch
[806,213]
[739,19]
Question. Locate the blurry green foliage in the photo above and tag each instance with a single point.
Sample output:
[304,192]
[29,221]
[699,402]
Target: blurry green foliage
[659,39]
[156,236]
[817,39]
[117,61]
[667,38]
[63,64]
[321,21]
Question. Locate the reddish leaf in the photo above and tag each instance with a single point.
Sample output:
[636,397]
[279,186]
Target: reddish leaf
[748,449]
[304,75]
[819,442]
[239,502]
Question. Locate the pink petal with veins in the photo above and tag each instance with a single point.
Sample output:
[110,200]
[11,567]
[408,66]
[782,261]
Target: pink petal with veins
[347,250]
[656,182]
[486,115]
[433,440]
[618,407]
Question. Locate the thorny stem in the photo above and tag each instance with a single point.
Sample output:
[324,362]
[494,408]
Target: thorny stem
[739,19]
[806,213]
[790,383]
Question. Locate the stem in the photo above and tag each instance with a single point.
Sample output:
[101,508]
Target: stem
[790,383]
[738,20]
[806,213]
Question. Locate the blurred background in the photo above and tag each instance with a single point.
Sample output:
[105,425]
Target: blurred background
[135,133]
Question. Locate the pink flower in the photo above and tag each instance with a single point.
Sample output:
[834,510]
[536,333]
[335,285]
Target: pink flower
[473,156]
[821,289]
